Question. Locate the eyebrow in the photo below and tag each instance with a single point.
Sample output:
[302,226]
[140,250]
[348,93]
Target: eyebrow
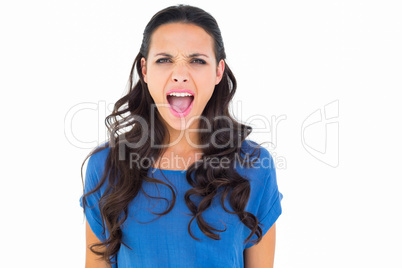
[189,56]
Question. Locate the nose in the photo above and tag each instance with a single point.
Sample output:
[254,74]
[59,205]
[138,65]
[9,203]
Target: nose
[180,74]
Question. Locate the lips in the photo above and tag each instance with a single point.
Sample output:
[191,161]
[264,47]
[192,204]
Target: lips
[180,101]
[180,91]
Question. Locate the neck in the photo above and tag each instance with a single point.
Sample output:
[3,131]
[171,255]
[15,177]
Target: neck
[182,149]
[183,142]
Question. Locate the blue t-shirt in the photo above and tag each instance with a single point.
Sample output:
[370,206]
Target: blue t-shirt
[165,241]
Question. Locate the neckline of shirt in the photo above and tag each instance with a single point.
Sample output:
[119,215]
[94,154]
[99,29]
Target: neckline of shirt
[169,171]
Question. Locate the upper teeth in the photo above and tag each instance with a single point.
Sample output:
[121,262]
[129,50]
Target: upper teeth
[184,94]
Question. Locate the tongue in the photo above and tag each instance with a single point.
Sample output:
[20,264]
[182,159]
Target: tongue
[180,104]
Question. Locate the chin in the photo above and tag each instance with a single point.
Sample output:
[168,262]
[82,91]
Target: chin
[180,123]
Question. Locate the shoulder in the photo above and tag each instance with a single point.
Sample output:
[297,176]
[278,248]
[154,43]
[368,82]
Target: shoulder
[260,171]
[99,156]
[260,159]
[96,164]
[250,146]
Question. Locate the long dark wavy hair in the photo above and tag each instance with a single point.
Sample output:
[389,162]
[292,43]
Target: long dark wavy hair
[123,182]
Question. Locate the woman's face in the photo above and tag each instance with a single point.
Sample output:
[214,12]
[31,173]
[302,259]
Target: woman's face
[181,61]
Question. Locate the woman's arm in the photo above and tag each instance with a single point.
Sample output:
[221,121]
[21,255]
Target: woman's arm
[262,254]
[92,260]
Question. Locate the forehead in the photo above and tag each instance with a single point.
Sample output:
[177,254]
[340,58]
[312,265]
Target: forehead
[174,38]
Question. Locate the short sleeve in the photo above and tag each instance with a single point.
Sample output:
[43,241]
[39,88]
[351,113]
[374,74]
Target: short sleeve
[269,197]
[93,175]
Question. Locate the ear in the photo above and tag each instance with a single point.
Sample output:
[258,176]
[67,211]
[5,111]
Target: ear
[144,69]
[219,71]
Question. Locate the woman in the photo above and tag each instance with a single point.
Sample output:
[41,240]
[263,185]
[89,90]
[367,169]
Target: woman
[180,186]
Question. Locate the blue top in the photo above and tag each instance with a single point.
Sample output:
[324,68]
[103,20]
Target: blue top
[166,242]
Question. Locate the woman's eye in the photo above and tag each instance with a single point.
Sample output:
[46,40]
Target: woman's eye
[165,60]
[199,61]
[162,60]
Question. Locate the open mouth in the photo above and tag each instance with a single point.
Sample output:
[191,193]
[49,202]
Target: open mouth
[180,103]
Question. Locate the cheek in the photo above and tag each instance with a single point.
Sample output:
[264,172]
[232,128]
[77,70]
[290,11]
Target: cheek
[155,91]
[156,83]
[205,92]
[205,83]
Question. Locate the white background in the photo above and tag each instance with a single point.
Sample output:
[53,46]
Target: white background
[290,58]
